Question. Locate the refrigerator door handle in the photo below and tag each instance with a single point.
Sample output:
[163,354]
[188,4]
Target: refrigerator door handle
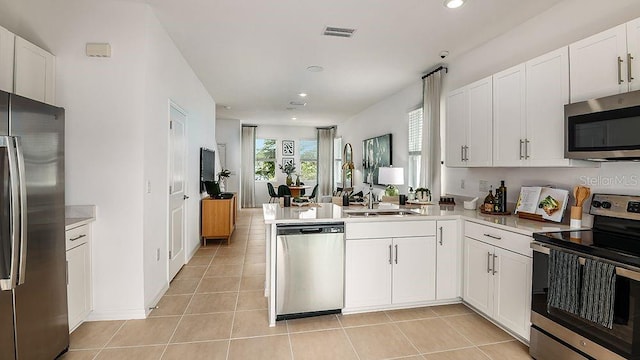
[8,142]
[22,269]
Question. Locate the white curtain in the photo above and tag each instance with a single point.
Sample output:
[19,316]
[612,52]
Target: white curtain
[325,161]
[247,188]
[430,159]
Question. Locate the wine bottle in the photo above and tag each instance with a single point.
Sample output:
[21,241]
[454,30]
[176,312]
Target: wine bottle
[489,201]
[497,201]
[503,197]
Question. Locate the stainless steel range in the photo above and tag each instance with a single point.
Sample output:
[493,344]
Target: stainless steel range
[579,310]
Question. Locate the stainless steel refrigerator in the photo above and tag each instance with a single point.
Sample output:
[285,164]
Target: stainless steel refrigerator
[33,291]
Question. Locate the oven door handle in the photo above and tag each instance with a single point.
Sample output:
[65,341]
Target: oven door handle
[620,271]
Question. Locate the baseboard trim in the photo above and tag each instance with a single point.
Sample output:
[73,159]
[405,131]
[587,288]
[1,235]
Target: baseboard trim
[156,300]
[130,314]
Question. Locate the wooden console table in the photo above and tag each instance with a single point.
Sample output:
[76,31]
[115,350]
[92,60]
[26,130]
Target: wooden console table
[218,219]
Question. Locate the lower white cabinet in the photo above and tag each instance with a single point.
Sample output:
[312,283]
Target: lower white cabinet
[449,260]
[497,281]
[385,271]
[79,292]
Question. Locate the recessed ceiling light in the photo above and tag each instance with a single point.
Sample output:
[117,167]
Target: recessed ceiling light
[452,4]
[293,118]
[302,95]
[315,68]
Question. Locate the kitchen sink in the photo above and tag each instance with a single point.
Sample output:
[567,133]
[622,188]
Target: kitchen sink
[379,212]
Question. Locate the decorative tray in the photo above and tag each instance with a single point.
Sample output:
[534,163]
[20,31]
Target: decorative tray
[418,202]
[495,213]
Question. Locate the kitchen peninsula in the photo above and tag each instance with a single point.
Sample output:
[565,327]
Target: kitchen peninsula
[431,255]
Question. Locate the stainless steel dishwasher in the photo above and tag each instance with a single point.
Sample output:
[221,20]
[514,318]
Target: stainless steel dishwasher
[309,269]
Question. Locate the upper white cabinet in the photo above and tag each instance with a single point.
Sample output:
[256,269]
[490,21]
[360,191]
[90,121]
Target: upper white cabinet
[34,72]
[509,133]
[469,125]
[7,40]
[449,260]
[606,63]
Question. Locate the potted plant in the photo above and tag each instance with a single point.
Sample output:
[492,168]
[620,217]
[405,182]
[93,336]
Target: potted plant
[288,168]
[222,178]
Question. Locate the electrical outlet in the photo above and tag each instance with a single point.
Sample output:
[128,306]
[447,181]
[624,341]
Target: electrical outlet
[462,184]
[158,254]
[483,186]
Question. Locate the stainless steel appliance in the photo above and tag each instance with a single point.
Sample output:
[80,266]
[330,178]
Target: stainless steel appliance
[309,269]
[33,292]
[614,239]
[603,129]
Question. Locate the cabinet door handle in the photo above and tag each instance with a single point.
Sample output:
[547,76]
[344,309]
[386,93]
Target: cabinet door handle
[526,148]
[493,236]
[629,75]
[620,81]
[462,153]
[440,235]
[390,254]
[466,153]
[494,264]
[489,262]
[78,237]
[396,253]
[521,143]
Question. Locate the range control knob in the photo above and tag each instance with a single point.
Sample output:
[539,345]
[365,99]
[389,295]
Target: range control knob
[606,205]
[596,204]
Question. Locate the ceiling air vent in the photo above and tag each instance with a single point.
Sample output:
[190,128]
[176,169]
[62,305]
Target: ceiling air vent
[339,32]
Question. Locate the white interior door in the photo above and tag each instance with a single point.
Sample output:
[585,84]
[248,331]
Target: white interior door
[177,196]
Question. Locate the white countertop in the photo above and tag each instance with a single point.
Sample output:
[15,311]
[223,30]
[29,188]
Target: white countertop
[327,212]
[78,215]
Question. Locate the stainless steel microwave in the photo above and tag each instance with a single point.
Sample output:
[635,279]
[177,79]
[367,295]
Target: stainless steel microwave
[603,129]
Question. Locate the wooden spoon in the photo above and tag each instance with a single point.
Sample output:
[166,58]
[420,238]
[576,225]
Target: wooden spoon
[575,194]
[582,194]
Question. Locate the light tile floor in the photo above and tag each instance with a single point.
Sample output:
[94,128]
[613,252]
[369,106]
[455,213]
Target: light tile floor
[216,309]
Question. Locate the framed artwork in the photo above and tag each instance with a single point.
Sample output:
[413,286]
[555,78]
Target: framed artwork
[376,153]
[287,147]
[286,161]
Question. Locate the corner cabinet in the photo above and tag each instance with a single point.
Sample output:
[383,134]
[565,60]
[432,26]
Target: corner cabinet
[79,285]
[34,72]
[497,276]
[469,112]
[218,218]
[389,263]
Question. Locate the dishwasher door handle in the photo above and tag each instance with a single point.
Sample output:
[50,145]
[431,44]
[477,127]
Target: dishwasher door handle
[311,231]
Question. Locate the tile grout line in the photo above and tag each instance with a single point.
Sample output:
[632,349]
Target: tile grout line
[111,338]
[344,331]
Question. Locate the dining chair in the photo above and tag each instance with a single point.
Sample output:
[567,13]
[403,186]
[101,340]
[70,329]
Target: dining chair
[272,192]
[283,190]
[314,193]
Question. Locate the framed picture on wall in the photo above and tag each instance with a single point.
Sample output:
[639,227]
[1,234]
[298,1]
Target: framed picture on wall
[376,153]
[286,161]
[287,147]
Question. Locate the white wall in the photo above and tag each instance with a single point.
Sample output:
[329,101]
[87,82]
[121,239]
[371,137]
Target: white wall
[386,116]
[116,135]
[228,132]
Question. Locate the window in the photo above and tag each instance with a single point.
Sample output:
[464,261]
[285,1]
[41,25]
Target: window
[415,147]
[308,160]
[265,166]
[337,162]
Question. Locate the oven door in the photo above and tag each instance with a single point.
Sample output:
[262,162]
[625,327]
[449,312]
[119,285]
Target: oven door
[596,341]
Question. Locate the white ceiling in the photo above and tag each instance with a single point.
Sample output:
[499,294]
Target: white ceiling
[252,55]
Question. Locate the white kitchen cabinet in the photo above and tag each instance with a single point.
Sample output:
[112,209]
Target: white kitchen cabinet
[599,65]
[414,275]
[79,287]
[367,272]
[7,40]
[497,276]
[469,113]
[449,260]
[633,49]
[509,134]
[34,69]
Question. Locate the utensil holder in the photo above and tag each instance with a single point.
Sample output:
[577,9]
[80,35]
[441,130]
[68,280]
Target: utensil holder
[576,217]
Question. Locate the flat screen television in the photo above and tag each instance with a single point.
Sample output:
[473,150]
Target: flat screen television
[207,166]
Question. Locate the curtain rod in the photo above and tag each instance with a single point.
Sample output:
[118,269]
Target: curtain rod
[446,70]
[326,127]
[255,126]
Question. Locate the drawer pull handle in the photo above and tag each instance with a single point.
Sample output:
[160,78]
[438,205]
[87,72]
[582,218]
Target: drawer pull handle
[493,236]
[78,237]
